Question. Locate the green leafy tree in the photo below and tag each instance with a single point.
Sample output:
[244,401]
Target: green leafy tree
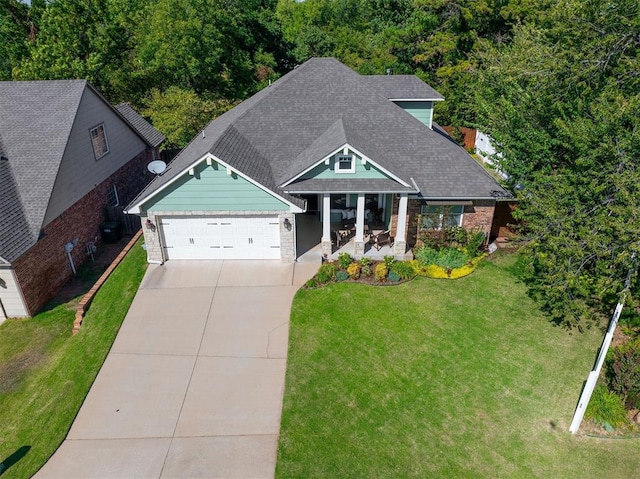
[16,29]
[180,114]
[561,101]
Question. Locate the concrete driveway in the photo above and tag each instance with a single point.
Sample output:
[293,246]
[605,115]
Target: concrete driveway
[192,387]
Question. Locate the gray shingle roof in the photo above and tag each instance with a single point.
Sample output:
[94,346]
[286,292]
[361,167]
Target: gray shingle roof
[402,87]
[142,126]
[35,121]
[306,114]
[36,118]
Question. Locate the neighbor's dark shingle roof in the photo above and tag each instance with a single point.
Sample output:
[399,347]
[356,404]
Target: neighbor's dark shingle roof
[35,121]
[318,107]
[36,118]
[142,126]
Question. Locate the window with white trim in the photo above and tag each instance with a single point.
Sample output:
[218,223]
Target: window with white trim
[99,141]
[112,196]
[345,164]
[441,216]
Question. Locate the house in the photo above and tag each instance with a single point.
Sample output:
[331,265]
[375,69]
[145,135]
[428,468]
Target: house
[319,147]
[65,154]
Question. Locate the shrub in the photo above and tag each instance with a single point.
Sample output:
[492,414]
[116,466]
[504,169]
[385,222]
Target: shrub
[450,258]
[435,239]
[456,235]
[393,277]
[364,261]
[389,260]
[402,269]
[426,255]
[326,273]
[366,270]
[447,258]
[475,243]
[342,275]
[312,283]
[353,270]
[381,272]
[606,407]
[623,372]
[344,260]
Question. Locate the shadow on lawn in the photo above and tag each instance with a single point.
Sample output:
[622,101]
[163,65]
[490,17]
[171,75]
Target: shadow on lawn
[13,458]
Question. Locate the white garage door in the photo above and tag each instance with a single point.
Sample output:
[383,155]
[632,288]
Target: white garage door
[197,237]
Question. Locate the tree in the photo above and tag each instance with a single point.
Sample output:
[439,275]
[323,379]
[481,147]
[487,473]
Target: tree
[180,114]
[16,29]
[561,101]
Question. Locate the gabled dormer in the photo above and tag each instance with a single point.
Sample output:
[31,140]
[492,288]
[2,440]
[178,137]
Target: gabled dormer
[409,93]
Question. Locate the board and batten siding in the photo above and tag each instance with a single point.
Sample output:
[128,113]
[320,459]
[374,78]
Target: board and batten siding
[422,110]
[323,171]
[79,171]
[212,189]
[10,295]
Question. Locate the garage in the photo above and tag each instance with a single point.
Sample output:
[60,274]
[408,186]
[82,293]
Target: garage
[197,237]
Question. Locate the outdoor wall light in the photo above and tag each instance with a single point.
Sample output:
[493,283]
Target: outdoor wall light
[287,224]
[149,225]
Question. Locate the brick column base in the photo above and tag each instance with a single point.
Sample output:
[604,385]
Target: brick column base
[359,248]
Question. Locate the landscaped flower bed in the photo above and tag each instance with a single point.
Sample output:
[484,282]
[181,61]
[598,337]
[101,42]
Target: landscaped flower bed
[451,254]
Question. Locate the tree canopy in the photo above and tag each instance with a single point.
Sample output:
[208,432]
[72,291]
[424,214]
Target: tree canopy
[555,82]
[562,101]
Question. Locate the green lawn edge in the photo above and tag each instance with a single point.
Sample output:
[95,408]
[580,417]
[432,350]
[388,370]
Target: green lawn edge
[52,371]
[431,378]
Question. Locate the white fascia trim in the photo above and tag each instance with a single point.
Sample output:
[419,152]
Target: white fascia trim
[416,99]
[209,158]
[360,154]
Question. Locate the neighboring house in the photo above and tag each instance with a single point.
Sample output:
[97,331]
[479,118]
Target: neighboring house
[65,155]
[325,142]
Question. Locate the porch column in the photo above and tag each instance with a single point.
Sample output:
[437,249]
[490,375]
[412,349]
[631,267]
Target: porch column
[326,224]
[359,239]
[400,241]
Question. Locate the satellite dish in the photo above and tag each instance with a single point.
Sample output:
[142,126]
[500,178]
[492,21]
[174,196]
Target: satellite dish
[157,167]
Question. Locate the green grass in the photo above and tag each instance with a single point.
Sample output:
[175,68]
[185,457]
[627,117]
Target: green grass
[437,378]
[45,372]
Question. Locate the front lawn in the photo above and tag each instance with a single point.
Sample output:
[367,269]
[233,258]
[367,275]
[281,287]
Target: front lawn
[438,378]
[45,372]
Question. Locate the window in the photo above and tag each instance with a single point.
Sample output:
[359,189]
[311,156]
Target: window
[440,216]
[99,141]
[345,164]
[112,196]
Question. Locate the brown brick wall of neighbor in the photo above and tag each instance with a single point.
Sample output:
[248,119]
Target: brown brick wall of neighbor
[45,268]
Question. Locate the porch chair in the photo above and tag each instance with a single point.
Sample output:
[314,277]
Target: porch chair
[381,239]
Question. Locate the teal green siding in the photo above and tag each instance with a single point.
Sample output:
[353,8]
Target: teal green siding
[419,109]
[323,171]
[212,189]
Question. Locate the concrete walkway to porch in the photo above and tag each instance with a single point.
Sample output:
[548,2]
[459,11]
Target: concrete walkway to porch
[193,385]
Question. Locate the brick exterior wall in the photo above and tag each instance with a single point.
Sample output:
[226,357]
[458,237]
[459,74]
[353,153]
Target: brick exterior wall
[479,216]
[476,216]
[45,268]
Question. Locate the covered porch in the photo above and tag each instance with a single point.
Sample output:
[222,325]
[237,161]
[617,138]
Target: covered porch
[350,223]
